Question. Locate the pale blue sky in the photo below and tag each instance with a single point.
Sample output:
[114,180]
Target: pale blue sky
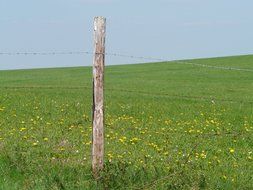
[170,29]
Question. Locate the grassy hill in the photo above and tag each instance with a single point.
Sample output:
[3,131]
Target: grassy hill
[168,126]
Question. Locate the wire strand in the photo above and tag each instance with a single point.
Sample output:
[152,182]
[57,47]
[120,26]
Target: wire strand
[125,56]
[163,95]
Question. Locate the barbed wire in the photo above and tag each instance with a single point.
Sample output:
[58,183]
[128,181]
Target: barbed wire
[215,67]
[79,52]
[213,100]
[185,62]
[45,53]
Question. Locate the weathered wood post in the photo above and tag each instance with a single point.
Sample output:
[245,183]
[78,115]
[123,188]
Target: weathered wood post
[98,96]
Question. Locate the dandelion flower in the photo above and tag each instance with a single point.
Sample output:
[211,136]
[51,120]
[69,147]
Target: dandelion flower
[231,150]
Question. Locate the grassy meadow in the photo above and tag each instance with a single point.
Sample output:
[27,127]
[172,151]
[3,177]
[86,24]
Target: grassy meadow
[168,126]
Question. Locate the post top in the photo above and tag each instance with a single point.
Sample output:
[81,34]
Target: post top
[100,17]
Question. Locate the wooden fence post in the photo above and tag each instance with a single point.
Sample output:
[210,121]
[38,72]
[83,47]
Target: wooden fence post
[98,96]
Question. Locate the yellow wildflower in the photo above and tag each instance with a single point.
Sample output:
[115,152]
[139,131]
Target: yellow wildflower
[231,150]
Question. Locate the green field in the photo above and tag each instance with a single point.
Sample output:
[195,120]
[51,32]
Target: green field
[168,126]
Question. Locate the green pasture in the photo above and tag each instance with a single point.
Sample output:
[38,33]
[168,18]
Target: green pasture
[168,126]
